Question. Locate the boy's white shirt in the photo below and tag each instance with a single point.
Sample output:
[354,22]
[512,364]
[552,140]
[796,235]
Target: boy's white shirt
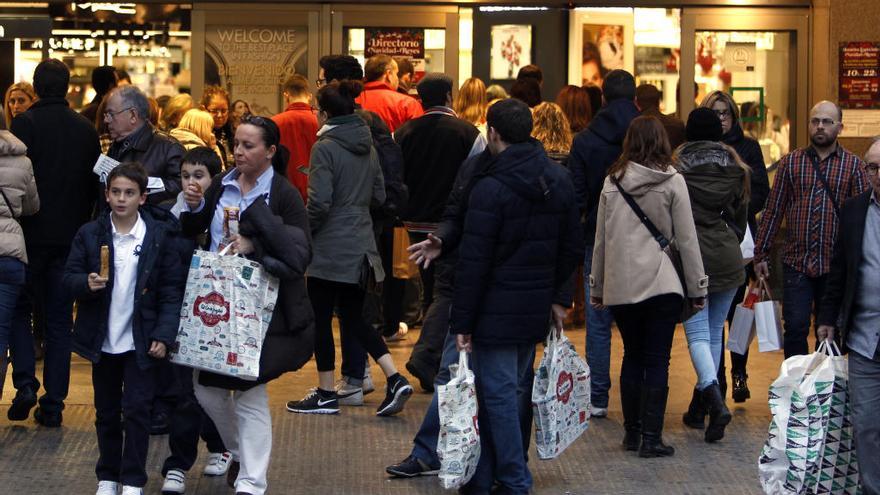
[179,206]
[126,252]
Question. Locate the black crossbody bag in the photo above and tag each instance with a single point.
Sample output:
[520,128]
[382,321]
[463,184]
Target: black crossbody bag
[667,246]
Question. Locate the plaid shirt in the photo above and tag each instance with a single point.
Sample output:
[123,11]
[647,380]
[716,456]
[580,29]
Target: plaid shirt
[799,196]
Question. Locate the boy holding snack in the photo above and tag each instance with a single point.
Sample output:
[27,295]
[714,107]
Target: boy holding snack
[199,166]
[124,270]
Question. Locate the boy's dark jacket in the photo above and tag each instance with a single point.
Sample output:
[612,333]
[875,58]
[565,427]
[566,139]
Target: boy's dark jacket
[521,241]
[157,295]
[281,236]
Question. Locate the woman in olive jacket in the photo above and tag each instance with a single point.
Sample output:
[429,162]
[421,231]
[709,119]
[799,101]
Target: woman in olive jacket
[636,279]
[18,197]
[718,185]
[273,230]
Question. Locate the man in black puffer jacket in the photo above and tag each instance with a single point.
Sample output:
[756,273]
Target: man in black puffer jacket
[592,152]
[520,245]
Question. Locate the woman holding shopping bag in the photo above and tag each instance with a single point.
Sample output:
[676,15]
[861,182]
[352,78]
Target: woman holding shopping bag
[345,180]
[273,230]
[637,279]
[718,186]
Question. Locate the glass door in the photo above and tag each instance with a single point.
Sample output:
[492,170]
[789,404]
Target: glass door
[757,56]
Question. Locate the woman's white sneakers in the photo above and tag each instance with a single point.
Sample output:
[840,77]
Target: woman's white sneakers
[218,463]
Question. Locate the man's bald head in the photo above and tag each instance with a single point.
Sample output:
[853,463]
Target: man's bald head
[826,106]
[825,124]
[872,161]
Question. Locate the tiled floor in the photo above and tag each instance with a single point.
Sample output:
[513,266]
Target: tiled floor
[346,454]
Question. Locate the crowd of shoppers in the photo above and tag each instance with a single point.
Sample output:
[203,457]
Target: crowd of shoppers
[500,197]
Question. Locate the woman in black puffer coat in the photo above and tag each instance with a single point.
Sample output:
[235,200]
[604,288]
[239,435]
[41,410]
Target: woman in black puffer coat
[749,152]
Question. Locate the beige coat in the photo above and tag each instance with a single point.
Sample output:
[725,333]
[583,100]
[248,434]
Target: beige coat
[20,190]
[628,264]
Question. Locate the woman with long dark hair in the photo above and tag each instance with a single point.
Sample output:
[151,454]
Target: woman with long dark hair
[575,103]
[345,180]
[634,276]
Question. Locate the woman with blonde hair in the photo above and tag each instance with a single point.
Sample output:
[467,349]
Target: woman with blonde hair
[174,110]
[196,128]
[552,129]
[633,275]
[471,103]
[19,97]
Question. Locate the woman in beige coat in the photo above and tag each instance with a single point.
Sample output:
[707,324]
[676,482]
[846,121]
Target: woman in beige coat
[634,277]
[18,197]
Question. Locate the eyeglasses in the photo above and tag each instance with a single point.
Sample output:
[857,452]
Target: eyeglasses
[825,122]
[110,115]
[219,111]
[722,114]
[872,168]
[320,82]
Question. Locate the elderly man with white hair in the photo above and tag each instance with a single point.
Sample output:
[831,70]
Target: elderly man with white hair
[850,314]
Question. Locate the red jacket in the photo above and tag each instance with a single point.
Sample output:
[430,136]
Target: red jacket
[299,130]
[393,107]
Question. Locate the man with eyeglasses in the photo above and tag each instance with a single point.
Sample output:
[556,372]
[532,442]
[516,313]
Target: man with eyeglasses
[810,188]
[127,115]
[63,147]
[851,300]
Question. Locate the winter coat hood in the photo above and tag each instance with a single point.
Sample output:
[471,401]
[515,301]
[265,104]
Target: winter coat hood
[612,121]
[714,177]
[350,132]
[521,167]
[639,179]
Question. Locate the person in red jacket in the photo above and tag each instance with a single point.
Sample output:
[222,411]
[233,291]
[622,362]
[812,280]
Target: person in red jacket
[380,93]
[299,130]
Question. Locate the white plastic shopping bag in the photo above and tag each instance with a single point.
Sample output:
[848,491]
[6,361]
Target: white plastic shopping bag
[458,445]
[227,307]
[809,448]
[560,397]
[747,246]
[768,321]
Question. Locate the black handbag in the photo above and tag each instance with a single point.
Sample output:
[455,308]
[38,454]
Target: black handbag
[668,247]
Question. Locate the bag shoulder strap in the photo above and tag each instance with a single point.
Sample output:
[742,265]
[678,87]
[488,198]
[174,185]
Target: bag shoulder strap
[658,236]
[822,179]
[8,204]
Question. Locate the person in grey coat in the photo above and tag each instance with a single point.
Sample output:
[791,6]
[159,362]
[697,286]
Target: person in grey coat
[345,180]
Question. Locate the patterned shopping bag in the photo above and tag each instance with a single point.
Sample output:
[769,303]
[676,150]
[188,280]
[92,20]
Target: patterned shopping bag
[459,443]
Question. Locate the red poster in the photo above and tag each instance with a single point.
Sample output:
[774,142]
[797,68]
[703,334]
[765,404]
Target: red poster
[397,42]
[859,77]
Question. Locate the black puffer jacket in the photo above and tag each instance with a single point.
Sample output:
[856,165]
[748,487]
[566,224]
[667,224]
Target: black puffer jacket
[520,244]
[160,155]
[282,244]
[749,151]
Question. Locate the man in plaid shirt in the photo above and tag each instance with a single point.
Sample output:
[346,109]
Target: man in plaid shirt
[810,187]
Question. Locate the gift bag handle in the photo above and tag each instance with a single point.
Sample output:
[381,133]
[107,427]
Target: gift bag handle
[765,288]
[461,372]
[225,250]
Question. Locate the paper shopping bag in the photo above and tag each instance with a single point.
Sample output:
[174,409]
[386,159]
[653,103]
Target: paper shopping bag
[227,306]
[742,330]
[403,268]
[458,445]
[768,320]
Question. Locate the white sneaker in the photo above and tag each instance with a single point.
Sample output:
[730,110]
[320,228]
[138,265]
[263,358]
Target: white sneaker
[348,394]
[367,384]
[107,488]
[132,490]
[218,464]
[175,482]
[598,412]
[402,330]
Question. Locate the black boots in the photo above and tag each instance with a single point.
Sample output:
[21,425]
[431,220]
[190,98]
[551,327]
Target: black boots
[722,377]
[631,402]
[719,415]
[696,413]
[653,411]
[740,388]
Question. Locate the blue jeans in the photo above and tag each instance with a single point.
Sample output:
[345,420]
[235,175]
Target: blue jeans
[501,372]
[704,333]
[864,392]
[598,341]
[799,302]
[45,292]
[12,274]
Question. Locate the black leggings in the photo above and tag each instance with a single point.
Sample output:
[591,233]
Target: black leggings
[647,328]
[348,300]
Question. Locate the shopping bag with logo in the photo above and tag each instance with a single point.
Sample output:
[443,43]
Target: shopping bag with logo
[227,306]
[560,397]
[768,320]
[742,328]
[806,441]
[458,445]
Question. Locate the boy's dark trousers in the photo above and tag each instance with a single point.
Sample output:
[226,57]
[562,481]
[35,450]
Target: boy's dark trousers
[186,423]
[123,402]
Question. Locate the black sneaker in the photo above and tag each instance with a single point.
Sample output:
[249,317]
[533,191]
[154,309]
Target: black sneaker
[25,400]
[410,468]
[48,419]
[316,402]
[397,392]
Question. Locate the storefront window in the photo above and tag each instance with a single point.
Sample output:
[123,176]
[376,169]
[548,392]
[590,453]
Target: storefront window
[658,52]
[432,41]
